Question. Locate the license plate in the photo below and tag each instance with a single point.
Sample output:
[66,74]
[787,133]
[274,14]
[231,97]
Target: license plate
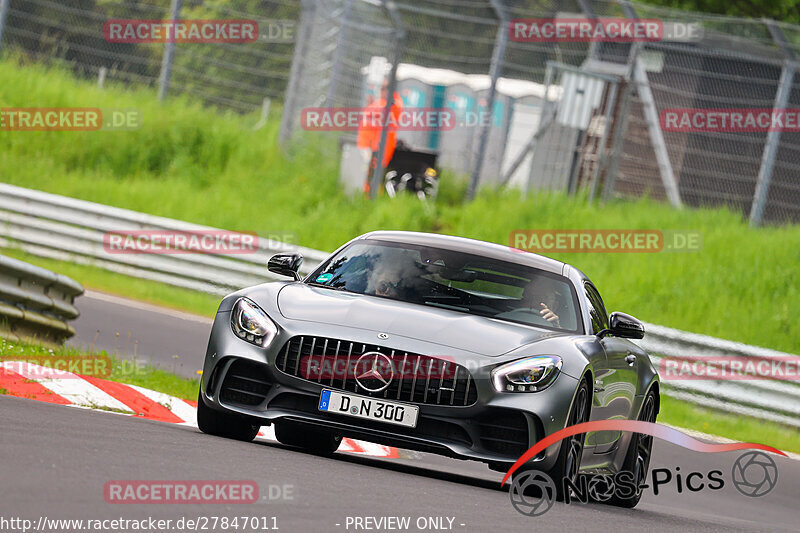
[400,414]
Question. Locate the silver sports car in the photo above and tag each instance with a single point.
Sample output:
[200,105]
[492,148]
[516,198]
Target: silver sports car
[434,343]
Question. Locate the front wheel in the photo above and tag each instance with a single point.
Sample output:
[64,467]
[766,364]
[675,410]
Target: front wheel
[568,462]
[637,460]
[226,425]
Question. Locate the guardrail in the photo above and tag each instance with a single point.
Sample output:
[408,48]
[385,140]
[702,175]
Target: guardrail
[72,230]
[769,399]
[35,302]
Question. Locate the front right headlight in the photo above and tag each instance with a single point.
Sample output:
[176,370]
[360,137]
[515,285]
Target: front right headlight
[249,322]
[531,374]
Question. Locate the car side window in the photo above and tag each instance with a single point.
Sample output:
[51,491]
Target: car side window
[597,311]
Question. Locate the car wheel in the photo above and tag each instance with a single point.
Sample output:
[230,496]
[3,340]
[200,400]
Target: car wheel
[314,440]
[637,460]
[223,424]
[568,462]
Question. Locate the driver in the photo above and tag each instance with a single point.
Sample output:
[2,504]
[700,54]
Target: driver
[542,295]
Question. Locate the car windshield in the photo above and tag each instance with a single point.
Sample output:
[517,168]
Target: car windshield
[453,280]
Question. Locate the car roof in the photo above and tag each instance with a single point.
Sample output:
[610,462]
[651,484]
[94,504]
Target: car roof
[471,246]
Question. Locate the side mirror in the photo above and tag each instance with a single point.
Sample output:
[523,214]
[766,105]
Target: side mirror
[622,325]
[286,264]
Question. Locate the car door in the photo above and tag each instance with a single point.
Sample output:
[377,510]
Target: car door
[599,322]
[616,389]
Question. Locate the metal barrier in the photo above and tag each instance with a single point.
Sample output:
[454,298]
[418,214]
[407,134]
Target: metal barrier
[35,302]
[72,230]
[768,399]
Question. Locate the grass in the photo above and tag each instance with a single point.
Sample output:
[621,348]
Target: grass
[741,428]
[122,371]
[189,163]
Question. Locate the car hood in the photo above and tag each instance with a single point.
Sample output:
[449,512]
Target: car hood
[452,329]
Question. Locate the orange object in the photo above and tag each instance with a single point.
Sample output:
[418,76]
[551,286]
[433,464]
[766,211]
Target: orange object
[369,136]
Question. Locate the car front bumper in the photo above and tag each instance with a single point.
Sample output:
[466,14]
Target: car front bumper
[497,428]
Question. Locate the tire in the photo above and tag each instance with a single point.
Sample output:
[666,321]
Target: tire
[223,424]
[316,441]
[568,462]
[637,458]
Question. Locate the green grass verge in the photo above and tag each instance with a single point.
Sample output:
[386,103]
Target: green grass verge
[189,163]
[122,371]
[741,428]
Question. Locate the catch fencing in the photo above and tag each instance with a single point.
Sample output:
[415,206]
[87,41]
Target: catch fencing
[36,303]
[72,230]
[460,55]
[70,33]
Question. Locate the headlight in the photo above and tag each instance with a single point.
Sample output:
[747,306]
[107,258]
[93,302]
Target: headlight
[531,374]
[252,324]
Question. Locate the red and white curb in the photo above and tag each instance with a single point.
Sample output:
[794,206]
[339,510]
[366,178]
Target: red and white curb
[44,384]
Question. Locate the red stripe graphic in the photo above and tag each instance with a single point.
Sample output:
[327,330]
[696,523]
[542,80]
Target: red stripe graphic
[135,400]
[16,385]
[637,426]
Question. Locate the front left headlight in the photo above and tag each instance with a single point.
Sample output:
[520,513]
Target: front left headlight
[531,374]
[249,322]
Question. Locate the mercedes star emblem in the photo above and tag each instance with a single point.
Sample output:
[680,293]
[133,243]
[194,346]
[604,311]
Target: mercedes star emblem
[375,371]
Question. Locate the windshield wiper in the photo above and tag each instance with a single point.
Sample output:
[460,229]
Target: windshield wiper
[316,284]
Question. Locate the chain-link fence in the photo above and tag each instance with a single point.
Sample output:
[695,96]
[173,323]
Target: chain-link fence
[529,113]
[620,147]
[231,75]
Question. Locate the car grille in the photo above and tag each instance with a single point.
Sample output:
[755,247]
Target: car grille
[246,383]
[452,385]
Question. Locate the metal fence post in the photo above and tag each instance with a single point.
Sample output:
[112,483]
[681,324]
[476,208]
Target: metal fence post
[296,70]
[498,54]
[400,37]
[639,76]
[621,126]
[771,148]
[339,54]
[169,53]
[3,15]
[774,136]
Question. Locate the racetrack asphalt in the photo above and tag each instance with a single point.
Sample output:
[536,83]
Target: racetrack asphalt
[173,340]
[55,461]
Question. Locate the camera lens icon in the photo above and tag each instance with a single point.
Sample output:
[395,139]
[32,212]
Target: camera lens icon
[532,493]
[754,474]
